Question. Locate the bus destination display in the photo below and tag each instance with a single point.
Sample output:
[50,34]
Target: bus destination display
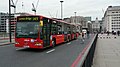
[28,19]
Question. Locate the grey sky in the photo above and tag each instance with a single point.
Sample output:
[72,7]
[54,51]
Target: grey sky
[93,8]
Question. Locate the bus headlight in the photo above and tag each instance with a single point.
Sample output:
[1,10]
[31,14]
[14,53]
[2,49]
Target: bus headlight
[16,43]
[38,44]
[32,40]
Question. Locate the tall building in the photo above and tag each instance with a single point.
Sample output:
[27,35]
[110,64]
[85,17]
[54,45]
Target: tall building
[96,25]
[4,24]
[89,23]
[88,18]
[79,20]
[82,21]
[112,19]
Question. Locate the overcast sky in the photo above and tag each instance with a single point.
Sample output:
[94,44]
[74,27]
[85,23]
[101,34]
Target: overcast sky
[93,8]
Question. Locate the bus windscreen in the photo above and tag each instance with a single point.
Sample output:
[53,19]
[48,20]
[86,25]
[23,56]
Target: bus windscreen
[27,29]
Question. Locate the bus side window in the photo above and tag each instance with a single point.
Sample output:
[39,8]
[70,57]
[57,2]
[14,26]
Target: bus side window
[41,36]
[53,33]
[65,32]
[61,32]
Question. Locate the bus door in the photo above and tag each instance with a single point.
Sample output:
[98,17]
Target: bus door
[46,32]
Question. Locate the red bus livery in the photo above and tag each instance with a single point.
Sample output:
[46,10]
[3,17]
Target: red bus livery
[41,32]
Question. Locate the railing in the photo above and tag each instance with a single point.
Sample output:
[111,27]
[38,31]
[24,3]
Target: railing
[88,54]
[5,35]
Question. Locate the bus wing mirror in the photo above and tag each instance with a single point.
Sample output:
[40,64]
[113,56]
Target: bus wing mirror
[41,23]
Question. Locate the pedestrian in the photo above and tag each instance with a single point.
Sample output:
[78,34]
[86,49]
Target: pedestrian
[108,33]
[118,32]
[88,34]
[83,36]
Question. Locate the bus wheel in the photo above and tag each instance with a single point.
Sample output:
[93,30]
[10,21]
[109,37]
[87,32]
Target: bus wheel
[53,43]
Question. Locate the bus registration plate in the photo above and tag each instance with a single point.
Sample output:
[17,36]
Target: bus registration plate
[26,46]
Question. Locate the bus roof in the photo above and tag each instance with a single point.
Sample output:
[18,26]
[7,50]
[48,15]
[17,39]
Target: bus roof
[53,19]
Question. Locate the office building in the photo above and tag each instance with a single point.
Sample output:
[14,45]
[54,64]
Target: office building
[96,25]
[112,19]
[4,22]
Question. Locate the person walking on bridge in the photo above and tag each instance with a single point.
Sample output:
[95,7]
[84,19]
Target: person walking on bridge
[118,32]
[108,33]
[83,37]
[88,34]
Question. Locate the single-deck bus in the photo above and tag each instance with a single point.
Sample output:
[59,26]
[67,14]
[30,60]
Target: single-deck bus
[41,32]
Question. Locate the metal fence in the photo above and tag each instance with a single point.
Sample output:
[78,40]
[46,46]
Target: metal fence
[4,35]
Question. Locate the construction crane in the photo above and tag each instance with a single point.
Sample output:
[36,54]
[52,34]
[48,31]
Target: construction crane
[14,5]
[34,8]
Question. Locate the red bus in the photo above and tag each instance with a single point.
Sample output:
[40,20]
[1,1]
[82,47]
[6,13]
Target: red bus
[41,32]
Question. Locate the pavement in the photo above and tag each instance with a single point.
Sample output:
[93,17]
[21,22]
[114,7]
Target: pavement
[107,53]
[5,41]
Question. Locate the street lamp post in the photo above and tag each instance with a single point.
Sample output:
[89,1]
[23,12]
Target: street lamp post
[75,17]
[75,20]
[10,21]
[11,5]
[14,6]
[61,10]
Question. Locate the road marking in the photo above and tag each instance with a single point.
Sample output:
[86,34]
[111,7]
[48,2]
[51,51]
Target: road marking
[69,43]
[19,49]
[50,51]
